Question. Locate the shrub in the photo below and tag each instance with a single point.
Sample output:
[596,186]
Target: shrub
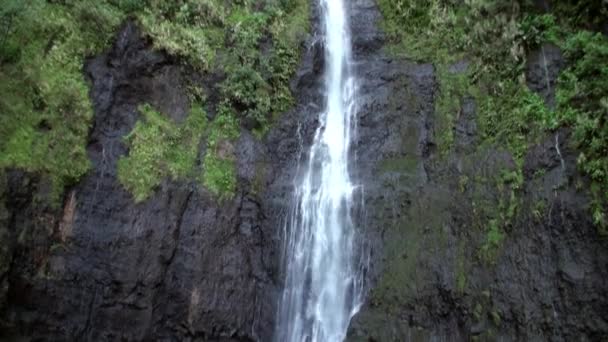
[158,148]
[46,110]
[582,98]
[45,103]
[493,36]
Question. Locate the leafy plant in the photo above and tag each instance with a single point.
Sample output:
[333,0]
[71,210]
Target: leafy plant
[493,37]
[45,106]
[158,148]
[45,103]
[582,98]
[190,29]
[249,93]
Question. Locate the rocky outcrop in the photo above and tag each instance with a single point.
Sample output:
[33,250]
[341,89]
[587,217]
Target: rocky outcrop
[455,255]
[179,266]
[452,254]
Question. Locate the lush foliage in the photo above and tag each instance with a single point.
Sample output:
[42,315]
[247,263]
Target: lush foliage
[159,148]
[44,99]
[46,111]
[494,37]
[191,29]
[582,99]
[257,83]
[213,35]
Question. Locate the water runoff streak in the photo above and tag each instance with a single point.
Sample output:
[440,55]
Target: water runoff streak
[322,285]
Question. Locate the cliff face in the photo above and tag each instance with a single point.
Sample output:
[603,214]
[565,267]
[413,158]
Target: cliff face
[440,270]
[183,265]
[179,265]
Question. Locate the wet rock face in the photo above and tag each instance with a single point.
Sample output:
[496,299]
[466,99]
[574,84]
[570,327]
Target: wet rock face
[543,68]
[179,266]
[433,273]
[183,267]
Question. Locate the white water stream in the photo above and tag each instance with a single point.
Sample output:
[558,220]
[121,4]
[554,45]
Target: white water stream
[322,285]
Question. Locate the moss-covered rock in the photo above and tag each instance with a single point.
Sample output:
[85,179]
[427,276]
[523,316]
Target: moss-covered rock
[47,111]
[474,209]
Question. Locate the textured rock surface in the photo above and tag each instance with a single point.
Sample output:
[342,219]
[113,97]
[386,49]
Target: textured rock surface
[181,266]
[178,266]
[433,275]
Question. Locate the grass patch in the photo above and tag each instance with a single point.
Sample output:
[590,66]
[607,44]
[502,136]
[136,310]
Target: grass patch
[158,148]
[219,171]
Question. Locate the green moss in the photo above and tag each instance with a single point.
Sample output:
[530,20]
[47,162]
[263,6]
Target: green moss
[478,311]
[495,318]
[538,209]
[489,249]
[219,172]
[453,88]
[219,176]
[190,29]
[493,37]
[256,88]
[405,165]
[486,35]
[461,277]
[400,280]
[46,111]
[213,35]
[512,119]
[257,85]
[158,148]
[582,101]
[288,31]
[411,237]
[498,214]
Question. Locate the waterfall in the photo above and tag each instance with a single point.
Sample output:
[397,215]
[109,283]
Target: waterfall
[322,283]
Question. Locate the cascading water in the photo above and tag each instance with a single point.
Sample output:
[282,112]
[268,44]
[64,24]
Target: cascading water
[323,286]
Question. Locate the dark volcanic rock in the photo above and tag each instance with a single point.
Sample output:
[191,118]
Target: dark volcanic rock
[434,274]
[179,266]
[543,68]
[183,267]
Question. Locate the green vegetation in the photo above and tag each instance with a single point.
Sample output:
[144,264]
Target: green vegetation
[45,107]
[493,241]
[460,267]
[406,165]
[408,247]
[190,29]
[217,37]
[257,83]
[46,111]
[582,99]
[159,148]
[494,38]
[454,88]
[219,175]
